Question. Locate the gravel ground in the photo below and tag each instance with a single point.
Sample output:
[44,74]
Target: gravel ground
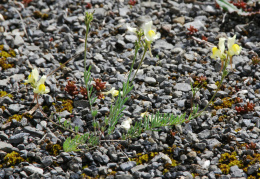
[222,143]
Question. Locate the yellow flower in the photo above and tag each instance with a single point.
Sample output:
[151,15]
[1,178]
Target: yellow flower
[113,92]
[40,88]
[220,51]
[233,49]
[33,77]
[149,33]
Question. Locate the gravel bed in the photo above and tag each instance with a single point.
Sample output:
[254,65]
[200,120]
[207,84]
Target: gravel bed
[222,143]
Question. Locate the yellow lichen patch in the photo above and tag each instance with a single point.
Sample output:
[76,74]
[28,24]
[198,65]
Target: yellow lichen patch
[54,149]
[112,173]
[143,158]
[67,104]
[228,160]
[165,171]
[4,64]
[238,129]
[11,159]
[227,103]
[38,14]
[18,117]
[173,164]
[222,118]
[251,177]
[4,55]
[224,168]
[200,84]
[2,107]
[12,53]
[4,93]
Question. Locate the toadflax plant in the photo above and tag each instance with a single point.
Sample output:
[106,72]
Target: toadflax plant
[38,85]
[226,57]
[145,37]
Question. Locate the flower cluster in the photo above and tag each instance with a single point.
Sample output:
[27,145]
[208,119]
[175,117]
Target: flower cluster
[149,33]
[219,52]
[37,84]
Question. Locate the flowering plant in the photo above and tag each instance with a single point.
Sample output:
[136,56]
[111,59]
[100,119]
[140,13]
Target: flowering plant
[219,52]
[38,85]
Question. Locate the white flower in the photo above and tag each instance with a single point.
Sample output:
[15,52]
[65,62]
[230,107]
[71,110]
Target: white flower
[131,29]
[233,49]
[40,88]
[149,33]
[33,77]
[126,124]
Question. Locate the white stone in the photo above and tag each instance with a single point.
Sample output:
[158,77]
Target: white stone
[33,169]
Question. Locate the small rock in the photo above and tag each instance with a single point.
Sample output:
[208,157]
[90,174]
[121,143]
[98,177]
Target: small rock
[15,108]
[192,154]
[33,169]
[212,86]
[47,161]
[150,80]
[18,40]
[213,143]
[182,87]
[6,147]
[180,20]
[163,44]
[18,138]
[127,165]
[161,155]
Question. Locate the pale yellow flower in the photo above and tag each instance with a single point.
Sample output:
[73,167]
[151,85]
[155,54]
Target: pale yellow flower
[149,33]
[33,77]
[220,51]
[113,92]
[41,88]
[233,49]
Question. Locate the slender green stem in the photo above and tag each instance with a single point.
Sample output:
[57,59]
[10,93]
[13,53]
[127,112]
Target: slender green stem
[87,77]
[132,66]
[85,51]
[145,50]
[224,74]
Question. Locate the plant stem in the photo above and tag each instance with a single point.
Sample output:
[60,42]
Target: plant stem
[220,84]
[145,49]
[132,66]
[85,51]
[87,78]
